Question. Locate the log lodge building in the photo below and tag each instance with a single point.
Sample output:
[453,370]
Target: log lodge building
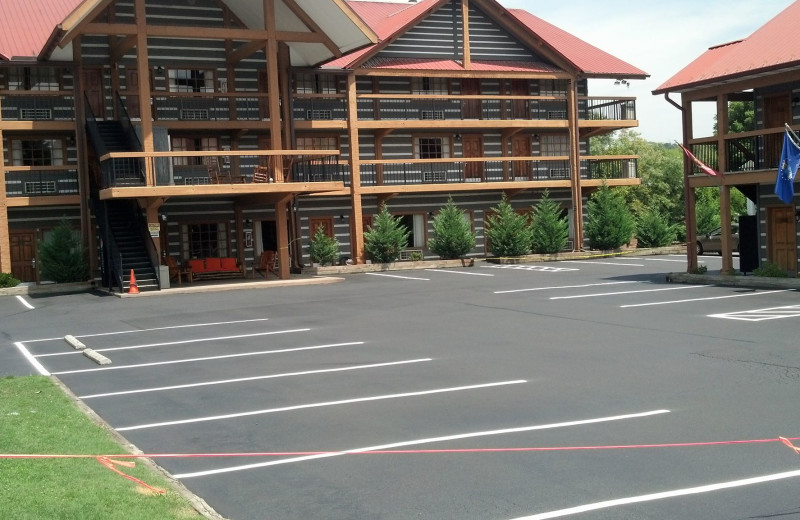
[197,129]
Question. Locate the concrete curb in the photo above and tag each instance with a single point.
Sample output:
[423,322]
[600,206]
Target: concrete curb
[55,288]
[189,289]
[74,342]
[95,356]
[751,282]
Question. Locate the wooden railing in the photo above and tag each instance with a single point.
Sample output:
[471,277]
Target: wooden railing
[35,105]
[41,181]
[745,151]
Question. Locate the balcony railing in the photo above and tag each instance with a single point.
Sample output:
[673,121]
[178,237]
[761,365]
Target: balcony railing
[450,107]
[507,169]
[746,151]
[29,105]
[41,181]
[610,109]
[250,106]
[227,167]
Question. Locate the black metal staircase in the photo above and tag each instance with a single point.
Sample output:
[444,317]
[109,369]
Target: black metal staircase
[132,255]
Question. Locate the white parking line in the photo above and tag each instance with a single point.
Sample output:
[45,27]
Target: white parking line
[398,276]
[772,313]
[31,359]
[627,292]
[183,342]
[132,331]
[317,405]
[458,272]
[562,287]
[660,496]
[254,378]
[538,268]
[703,299]
[599,263]
[25,302]
[665,260]
[209,358]
[420,441]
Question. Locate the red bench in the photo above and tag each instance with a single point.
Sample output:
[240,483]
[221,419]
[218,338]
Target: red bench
[213,268]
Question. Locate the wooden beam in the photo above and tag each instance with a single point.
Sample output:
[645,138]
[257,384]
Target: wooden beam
[465,32]
[357,214]
[308,22]
[246,50]
[363,27]
[121,46]
[575,163]
[143,72]
[5,237]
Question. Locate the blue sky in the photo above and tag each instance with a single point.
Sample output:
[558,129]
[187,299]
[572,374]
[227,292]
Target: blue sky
[658,37]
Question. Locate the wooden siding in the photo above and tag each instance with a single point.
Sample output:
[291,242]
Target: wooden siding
[489,42]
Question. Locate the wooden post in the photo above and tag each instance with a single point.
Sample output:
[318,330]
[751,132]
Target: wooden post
[5,236]
[273,86]
[82,148]
[465,30]
[575,163]
[690,210]
[282,232]
[724,190]
[357,215]
[143,72]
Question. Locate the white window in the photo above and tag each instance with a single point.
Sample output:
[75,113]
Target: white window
[191,144]
[191,80]
[317,143]
[555,145]
[37,152]
[431,147]
[552,87]
[429,86]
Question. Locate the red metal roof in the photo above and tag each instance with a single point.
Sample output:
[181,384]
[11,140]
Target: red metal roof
[773,46]
[390,19]
[586,57]
[26,25]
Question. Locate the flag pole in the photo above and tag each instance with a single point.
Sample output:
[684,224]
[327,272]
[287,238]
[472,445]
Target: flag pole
[792,132]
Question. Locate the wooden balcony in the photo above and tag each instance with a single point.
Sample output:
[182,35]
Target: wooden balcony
[228,173]
[37,110]
[41,185]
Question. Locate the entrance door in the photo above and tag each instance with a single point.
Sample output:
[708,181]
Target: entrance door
[471,108]
[782,236]
[93,86]
[777,112]
[269,236]
[472,146]
[23,254]
[519,107]
[521,147]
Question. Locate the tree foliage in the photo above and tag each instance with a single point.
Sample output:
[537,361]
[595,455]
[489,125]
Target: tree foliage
[452,233]
[652,230]
[322,248]
[509,233]
[550,228]
[386,237]
[61,257]
[609,223]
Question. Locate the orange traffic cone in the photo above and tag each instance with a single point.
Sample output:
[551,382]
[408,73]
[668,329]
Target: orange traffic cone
[133,288]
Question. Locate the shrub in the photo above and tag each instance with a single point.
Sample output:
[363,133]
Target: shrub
[62,259]
[652,230]
[509,233]
[770,270]
[700,269]
[386,237]
[609,224]
[322,248]
[550,228]
[452,233]
[8,280]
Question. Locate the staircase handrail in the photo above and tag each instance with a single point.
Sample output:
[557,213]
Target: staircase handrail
[93,130]
[147,240]
[134,142]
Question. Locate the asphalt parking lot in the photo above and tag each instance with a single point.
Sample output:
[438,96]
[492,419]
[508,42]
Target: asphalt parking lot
[586,389]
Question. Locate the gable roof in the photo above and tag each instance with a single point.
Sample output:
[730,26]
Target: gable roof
[771,48]
[389,20]
[26,25]
[32,28]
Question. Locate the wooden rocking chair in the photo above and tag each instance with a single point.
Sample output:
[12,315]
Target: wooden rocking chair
[267,263]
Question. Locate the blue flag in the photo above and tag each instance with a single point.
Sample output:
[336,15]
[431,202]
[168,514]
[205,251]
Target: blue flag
[790,160]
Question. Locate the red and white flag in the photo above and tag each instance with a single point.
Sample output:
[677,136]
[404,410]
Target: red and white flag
[703,166]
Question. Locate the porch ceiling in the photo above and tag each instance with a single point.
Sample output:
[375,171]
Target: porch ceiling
[272,192]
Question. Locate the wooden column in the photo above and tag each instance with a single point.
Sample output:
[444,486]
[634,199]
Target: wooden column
[5,236]
[688,191]
[724,191]
[575,163]
[143,71]
[273,86]
[282,231]
[465,26]
[357,215]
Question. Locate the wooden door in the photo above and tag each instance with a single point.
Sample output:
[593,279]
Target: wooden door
[521,147]
[132,93]
[23,253]
[471,108]
[472,146]
[93,87]
[777,112]
[782,236]
[520,107]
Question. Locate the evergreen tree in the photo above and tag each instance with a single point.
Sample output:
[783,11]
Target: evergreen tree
[550,229]
[609,223]
[453,235]
[61,257]
[386,237]
[509,233]
[322,248]
[652,230]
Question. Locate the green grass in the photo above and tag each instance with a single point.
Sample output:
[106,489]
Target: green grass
[37,417]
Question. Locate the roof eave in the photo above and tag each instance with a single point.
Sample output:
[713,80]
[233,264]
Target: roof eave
[710,82]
